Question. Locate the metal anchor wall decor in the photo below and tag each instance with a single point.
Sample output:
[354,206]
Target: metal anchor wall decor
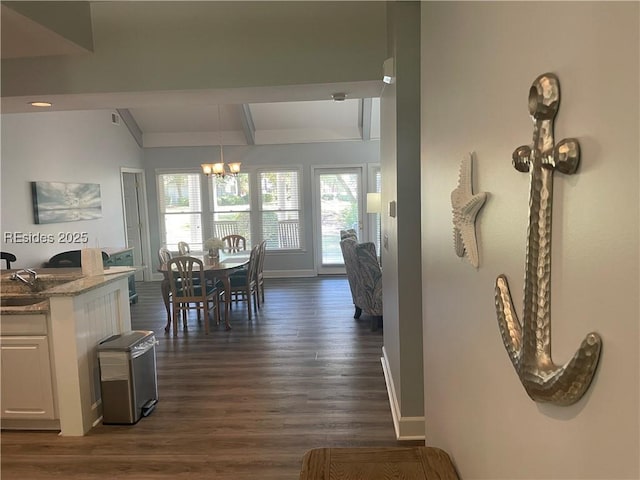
[529,344]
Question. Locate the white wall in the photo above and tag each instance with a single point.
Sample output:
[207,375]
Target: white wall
[478,62]
[76,147]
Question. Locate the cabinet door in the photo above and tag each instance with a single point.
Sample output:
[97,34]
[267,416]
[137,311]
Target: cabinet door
[26,378]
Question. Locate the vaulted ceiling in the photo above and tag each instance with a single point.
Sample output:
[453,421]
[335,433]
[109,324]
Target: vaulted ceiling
[257,115]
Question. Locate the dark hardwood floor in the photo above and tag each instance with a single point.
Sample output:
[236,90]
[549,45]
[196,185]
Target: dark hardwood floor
[240,404]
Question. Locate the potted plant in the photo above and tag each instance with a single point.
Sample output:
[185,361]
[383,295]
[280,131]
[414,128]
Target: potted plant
[213,245]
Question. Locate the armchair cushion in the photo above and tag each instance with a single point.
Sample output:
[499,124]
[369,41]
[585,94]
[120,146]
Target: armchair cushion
[364,274]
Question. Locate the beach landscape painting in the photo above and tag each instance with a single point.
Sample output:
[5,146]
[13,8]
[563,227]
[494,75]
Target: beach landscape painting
[57,202]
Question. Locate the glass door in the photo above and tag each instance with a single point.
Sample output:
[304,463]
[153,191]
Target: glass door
[339,206]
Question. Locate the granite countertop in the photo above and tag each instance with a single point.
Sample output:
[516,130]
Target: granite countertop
[84,284]
[73,283]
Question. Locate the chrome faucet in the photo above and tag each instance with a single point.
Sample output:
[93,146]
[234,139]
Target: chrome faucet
[33,276]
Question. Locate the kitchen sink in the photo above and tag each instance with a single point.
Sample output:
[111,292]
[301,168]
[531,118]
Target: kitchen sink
[42,283]
[21,301]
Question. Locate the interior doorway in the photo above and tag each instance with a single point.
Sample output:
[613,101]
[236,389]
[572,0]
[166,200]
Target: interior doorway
[135,220]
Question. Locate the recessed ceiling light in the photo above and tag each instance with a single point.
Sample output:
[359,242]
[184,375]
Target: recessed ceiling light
[40,104]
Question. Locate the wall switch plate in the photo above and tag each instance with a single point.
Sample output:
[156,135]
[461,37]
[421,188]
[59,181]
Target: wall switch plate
[392,208]
[385,242]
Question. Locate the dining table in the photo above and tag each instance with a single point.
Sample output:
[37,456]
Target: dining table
[215,268]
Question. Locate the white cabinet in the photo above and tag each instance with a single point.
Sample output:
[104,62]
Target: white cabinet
[49,372]
[27,390]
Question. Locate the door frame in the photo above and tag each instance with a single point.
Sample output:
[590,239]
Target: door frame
[315,206]
[145,239]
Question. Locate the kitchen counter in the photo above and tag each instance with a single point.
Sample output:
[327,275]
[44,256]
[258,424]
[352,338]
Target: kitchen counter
[65,281]
[50,346]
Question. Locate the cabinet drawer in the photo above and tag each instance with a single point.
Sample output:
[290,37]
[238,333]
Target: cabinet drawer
[35,324]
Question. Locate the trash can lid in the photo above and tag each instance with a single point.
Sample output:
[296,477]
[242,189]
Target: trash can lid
[124,342]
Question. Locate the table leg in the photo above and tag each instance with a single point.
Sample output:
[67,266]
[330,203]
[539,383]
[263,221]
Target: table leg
[227,296]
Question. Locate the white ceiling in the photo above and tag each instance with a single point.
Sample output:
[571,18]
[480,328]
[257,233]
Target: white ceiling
[270,115]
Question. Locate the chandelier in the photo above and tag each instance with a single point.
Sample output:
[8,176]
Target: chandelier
[221,169]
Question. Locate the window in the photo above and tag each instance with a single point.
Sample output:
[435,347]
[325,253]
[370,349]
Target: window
[280,209]
[228,206]
[231,206]
[180,209]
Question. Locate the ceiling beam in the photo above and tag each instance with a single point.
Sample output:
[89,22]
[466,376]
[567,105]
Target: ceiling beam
[131,124]
[247,124]
[365,118]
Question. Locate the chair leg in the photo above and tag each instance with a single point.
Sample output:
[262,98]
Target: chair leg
[248,296]
[376,322]
[217,307]
[256,296]
[256,300]
[205,314]
[176,313]
[358,312]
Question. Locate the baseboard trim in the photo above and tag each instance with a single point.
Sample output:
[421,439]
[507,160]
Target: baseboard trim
[407,428]
[30,424]
[289,273]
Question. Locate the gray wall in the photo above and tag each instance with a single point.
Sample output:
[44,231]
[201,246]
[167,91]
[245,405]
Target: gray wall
[76,147]
[400,164]
[304,155]
[478,62]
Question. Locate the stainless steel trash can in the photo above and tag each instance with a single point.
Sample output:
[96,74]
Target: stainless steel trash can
[128,377]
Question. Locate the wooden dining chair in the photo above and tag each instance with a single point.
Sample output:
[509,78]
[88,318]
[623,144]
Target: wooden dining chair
[235,243]
[260,272]
[183,248]
[190,291]
[243,284]
[164,255]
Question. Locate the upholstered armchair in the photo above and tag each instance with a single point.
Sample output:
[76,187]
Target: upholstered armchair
[350,267]
[365,276]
